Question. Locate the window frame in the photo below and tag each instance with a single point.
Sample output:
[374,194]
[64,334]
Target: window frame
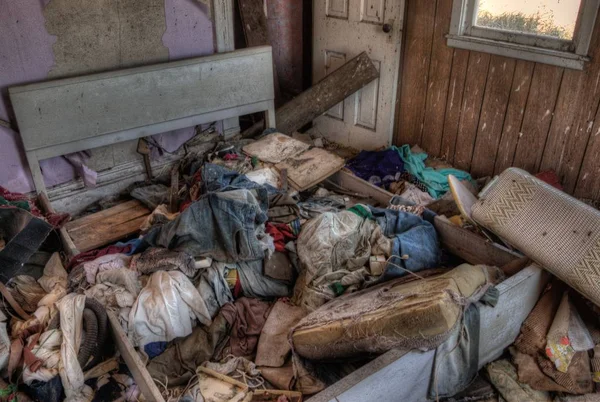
[573,53]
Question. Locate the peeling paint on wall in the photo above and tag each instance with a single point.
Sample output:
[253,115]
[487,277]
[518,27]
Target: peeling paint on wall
[42,39]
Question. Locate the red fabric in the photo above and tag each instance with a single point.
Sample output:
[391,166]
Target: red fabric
[56,220]
[281,234]
[550,177]
[93,254]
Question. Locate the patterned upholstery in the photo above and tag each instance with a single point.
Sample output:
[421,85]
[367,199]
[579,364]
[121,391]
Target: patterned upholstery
[554,229]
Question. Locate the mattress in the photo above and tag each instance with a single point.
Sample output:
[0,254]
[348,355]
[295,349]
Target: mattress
[559,232]
[396,314]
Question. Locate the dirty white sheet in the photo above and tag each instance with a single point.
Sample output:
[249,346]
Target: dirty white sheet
[71,319]
[167,308]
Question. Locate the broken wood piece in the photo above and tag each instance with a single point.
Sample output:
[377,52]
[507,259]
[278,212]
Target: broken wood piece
[322,96]
[103,368]
[310,168]
[134,363]
[256,32]
[107,226]
[144,150]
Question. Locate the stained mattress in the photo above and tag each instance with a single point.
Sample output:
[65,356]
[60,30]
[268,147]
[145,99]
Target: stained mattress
[396,314]
[559,232]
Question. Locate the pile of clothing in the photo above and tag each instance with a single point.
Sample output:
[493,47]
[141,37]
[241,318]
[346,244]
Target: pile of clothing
[405,172]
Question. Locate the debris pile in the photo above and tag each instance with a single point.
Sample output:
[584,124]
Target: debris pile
[254,276]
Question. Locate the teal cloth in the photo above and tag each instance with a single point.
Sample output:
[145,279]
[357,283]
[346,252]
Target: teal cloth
[435,180]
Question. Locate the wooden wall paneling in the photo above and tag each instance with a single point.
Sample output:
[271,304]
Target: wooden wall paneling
[493,112]
[515,111]
[588,183]
[471,108]
[456,87]
[576,108]
[538,116]
[420,18]
[439,77]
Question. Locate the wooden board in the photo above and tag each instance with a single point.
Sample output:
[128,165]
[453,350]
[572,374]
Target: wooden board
[471,247]
[460,62]
[116,106]
[134,363]
[571,133]
[322,96]
[439,77]
[310,168]
[538,116]
[493,112]
[420,19]
[471,107]
[107,226]
[275,148]
[513,120]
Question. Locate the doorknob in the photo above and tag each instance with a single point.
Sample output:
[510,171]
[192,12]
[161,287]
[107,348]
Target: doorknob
[387,28]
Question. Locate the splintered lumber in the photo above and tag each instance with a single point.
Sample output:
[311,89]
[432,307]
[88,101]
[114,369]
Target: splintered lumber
[322,96]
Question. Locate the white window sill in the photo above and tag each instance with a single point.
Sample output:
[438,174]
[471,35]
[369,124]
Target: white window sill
[517,51]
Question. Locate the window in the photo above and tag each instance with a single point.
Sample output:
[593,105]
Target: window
[546,31]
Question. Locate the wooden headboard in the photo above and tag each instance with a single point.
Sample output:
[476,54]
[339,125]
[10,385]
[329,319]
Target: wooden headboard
[69,115]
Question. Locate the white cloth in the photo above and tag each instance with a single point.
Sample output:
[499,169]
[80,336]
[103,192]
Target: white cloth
[166,309]
[54,281]
[105,263]
[48,349]
[71,319]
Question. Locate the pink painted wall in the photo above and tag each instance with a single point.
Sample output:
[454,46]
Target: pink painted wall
[26,55]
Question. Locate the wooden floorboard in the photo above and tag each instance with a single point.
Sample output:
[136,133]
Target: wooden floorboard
[107,226]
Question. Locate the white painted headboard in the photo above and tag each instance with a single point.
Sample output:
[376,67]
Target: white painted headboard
[69,115]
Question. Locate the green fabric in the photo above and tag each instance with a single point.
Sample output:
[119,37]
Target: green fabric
[19,204]
[435,180]
[361,211]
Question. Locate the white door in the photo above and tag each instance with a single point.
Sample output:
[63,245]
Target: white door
[343,29]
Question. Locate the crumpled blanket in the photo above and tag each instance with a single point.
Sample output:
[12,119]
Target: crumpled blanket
[330,247]
[162,259]
[177,364]
[415,244]
[105,263]
[116,289]
[376,163]
[246,318]
[435,180]
[167,308]
[96,253]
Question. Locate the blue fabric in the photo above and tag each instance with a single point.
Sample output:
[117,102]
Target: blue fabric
[219,178]
[376,166]
[435,180]
[154,349]
[412,236]
[221,225]
[136,246]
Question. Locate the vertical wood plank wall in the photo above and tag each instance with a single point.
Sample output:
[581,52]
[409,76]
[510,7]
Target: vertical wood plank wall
[484,113]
